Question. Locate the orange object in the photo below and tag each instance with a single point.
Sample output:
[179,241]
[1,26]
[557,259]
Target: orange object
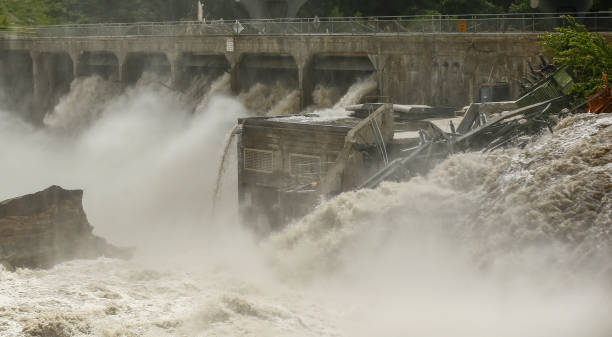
[601,102]
[462,26]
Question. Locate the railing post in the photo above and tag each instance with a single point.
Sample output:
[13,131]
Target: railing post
[40,85]
[122,72]
[305,81]
[235,77]
[175,69]
[432,23]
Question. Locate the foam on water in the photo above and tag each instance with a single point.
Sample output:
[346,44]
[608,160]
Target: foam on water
[514,242]
[113,298]
[556,190]
[325,96]
[357,91]
[353,95]
[262,98]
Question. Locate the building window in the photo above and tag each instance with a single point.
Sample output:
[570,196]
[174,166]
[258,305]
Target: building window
[258,160]
[305,166]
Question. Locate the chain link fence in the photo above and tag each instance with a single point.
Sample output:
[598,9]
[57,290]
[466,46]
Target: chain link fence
[502,23]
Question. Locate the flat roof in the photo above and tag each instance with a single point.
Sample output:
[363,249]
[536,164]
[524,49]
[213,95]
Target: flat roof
[335,120]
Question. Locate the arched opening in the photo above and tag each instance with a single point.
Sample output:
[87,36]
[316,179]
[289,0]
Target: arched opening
[332,76]
[16,80]
[268,84]
[268,69]
[53,75]
[138,63]
[204,68]
[104,64]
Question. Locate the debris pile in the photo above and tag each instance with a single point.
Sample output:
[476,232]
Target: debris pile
[539,108]
[283,177]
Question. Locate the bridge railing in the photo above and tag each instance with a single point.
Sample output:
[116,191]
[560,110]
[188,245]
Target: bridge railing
[489,23]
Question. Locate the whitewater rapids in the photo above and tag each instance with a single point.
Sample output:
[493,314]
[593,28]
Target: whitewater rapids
[508,243]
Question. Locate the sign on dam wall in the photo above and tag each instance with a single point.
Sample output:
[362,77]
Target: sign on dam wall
[432,69]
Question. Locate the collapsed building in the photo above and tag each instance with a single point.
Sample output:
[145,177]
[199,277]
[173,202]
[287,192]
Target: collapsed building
[287,164]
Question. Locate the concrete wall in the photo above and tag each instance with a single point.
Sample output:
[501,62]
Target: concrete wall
[16,80]
[433,69]
[264,191]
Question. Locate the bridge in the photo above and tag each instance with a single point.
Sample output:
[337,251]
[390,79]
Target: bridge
[434,60]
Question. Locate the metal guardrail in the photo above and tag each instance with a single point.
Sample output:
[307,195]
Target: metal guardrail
[482,23]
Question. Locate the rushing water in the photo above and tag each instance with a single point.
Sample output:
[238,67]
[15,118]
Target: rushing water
[508,243]
[278,98]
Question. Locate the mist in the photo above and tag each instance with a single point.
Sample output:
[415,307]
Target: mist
[148,168]
[515,242]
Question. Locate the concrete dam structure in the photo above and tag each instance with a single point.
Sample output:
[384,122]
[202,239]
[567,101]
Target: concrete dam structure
[418,69]
[420,60]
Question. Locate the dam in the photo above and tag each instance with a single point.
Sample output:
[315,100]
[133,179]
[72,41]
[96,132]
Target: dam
[508,242]
[430,60]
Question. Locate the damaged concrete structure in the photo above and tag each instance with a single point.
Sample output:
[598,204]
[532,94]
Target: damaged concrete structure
[49,227]
[287,164]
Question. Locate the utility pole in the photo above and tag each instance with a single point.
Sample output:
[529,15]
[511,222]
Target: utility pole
[200,11]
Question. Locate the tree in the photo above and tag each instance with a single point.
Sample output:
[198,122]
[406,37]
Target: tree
[28,12]
[521,6]
[601,5]
[468,7]
[588,54]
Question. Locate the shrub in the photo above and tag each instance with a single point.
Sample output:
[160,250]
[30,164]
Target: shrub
[588,54]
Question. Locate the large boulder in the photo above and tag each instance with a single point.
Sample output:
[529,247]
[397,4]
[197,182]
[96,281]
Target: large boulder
[41,229]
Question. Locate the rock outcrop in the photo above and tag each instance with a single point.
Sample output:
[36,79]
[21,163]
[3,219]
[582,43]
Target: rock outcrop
[48,227]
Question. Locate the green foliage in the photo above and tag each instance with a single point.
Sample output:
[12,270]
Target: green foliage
[521,6]
[45,12]
[601,5]
[29,12]
[94,11]
[588,54]
[323,8]
[336,12]
[468,7]
[42,12]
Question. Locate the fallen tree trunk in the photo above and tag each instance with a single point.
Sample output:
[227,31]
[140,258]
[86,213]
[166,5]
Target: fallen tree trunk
[48,227]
